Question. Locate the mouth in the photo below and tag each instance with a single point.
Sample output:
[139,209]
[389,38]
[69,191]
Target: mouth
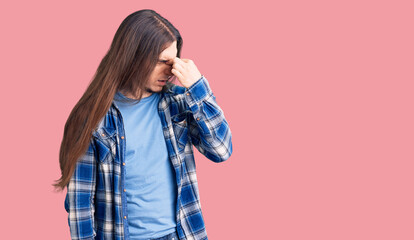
[162,81]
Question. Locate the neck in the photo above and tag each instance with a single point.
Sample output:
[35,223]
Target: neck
[129,95]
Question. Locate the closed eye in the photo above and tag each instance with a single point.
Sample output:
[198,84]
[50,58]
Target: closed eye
[164,61]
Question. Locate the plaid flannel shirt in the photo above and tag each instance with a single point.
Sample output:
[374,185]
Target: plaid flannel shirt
[95,200]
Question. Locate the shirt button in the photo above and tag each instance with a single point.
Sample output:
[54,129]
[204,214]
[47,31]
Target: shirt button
[103,135]
[122,137]
[123,163]
[124,217]
[188,93]
[124,190]
[198,118]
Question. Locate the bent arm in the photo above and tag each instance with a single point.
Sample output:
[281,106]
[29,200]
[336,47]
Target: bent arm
[79,201]
[210,133]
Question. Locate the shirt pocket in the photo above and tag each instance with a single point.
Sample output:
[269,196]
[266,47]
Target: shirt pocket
[106,144]
[180,128]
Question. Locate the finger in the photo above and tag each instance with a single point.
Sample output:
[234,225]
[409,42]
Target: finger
[174,62]
[179,66]
[177,74]
[181,60]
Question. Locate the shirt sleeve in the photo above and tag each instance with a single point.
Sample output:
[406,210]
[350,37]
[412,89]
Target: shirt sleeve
[79,201]
[210,133]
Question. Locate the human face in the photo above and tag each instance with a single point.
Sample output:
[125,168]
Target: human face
[162,71]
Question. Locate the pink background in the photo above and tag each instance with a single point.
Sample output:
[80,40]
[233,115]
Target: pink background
[318,95]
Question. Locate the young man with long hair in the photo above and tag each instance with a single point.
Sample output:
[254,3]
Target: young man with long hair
[126,156]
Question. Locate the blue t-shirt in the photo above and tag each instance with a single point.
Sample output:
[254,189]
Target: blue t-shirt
[150,178]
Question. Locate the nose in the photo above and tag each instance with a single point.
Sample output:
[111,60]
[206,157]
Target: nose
[168,72]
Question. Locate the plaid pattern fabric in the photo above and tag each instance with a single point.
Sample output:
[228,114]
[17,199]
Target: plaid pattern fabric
[95,200]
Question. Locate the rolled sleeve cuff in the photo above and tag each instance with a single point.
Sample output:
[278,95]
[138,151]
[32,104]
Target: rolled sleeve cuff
[197,92]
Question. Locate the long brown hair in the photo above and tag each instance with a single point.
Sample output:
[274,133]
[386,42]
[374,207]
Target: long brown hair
[127,65]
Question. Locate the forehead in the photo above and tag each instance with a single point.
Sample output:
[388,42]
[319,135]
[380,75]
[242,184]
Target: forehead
[170,52]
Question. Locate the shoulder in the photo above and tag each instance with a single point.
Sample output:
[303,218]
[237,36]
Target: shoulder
[108,121]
